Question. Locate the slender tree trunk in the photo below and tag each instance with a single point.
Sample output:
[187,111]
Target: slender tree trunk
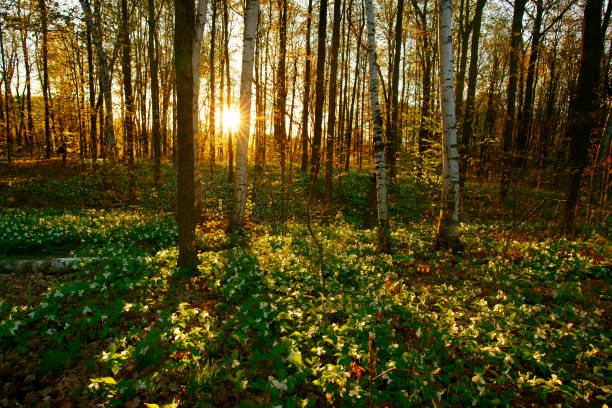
[515,42]
[582,110]
[355,93]
[127,82]
[230,143]
[319,91]
[464,35]
[447,234]
[92,101]
[195,60]
[183,54]
[383,241]
[45,73]
[306,99]
[105,76]
[393,132]
[211,107]
[240,187]
[525,117]
[280,105]
[154,95]
[7,97]
[468,118]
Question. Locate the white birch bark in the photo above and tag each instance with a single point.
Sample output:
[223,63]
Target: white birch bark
[197,44]
[242,141]
[447,234]
[379,148]
[109,132]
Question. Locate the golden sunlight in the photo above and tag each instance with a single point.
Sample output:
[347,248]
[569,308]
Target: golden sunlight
[231,119]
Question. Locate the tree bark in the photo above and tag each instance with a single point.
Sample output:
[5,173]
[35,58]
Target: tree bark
[248,44]
[183,54]
[45,74]
[331,107]
[319,91]
[92,101]
[382,231]
[515,42]
[105,77]
[306,99]
[197,46]
[127,82]
[393,132]
[447,235]
[525,117]
[468,114]
[582,110]
[153,59]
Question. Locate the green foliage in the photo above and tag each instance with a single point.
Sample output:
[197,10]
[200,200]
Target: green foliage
[517,319]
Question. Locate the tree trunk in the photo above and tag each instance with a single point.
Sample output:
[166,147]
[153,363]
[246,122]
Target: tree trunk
[45,73]
[280,105]
[319,91]
[92,101]
[127,82]
[582,110]
[524,120]
[196,48]
[331,107]
[306,99]
[447,234]
[154,95]
[183,54]
[211,107]
[468,117]
[515,42]
[383,238]
[105,76]
[230,143]
[393,132]
[242,143]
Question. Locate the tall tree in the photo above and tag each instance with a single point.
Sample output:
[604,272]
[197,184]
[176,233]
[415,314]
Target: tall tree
[7,97]
[248,49]
[447,234]
[515,43]
[393,131]
[196,50]
[104,71]
[45,74]
[526,114]
[211,83]
[184,28]
[468,121]
[382,231]
[306,98]
[319,91]
[582,109]
[153,59]
[92,99]
[331,106]
[280,103]
[127,82]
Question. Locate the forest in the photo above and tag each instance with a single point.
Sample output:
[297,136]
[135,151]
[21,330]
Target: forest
[298,203]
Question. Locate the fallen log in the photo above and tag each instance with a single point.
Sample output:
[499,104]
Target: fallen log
[49,266]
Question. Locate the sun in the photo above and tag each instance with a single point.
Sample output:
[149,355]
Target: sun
[231,119]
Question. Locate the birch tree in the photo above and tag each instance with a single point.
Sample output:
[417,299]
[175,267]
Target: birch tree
[242,142]
[383,240]
[447,235]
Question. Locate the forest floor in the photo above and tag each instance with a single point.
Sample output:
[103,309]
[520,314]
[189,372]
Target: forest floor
[521,317]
